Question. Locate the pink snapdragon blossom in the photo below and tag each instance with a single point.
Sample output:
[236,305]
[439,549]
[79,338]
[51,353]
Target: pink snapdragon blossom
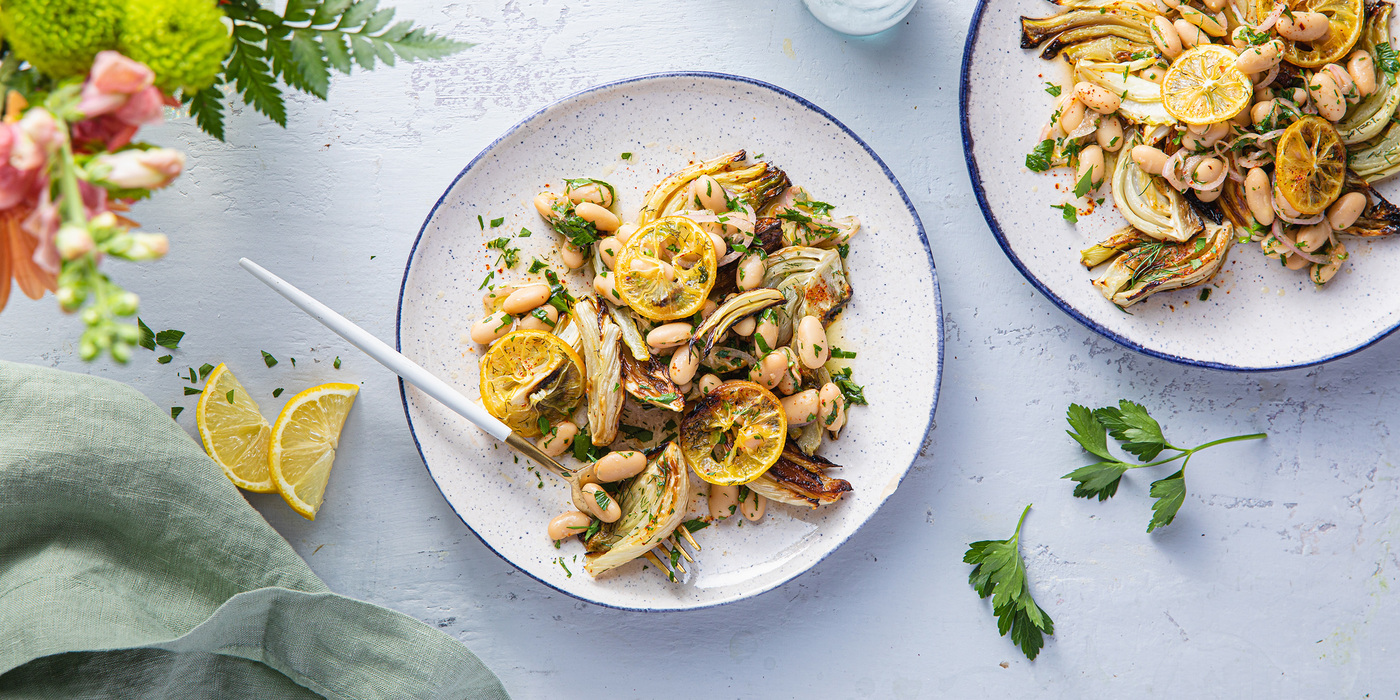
[113,81]
[35,138]
[150,169]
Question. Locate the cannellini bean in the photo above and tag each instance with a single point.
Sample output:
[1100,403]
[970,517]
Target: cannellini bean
[801,407]
[1072,115]
[1346,210]
[1164,36]
[1272,248]
[1210,24]
[488,329]
[1238,38]
[750,272]
[724,500]
[709,383]
[1097,98]
[720,245]
[544,204]
[608,510]
[606,288]
[1311,238]
[1263,94]
[1303,26]
[1257,59]
[1212,194]
[670,335]
[1154,72]
[766,334]
[1110,134]
[593,193]
[607,249]
[493,297]
[1170,4]
[541,318]
[571,255]
[685,389]
[709,308]
[1216,5]
[768,372]
[1321,274]
[1242,119]
[1327,97]
[685,361]
[1259,193]
[525,299]
[1299,96]
[1208,170]
[706,192]
[1149,158]
[810,341]
[745,326]
[559,438]
[1091,164]
[1261,111]
[601,218]
[616,466]
[1295,262]
[753,506]
[792,376]
[831,409]
[1341,77]
[1362,69]
[624,233]
[571,523]
[1191,35]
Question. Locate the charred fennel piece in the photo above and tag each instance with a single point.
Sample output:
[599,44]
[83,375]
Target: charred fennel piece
[731,312]
[1140,435]
[753,183]
[1143,268]
[650,381]
[998,571]
[800,480]
[813,282]
[653,504]
[602,357]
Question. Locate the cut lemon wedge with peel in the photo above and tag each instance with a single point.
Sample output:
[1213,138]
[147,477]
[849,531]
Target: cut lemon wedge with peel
[667,269]
[734,434]
[234,432]
[1203,86]
[1311,165]
[531,375]
[303,445]
[1344,18]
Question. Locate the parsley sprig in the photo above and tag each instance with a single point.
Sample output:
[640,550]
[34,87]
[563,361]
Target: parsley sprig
[1140,435]
[1387,61]
[998,571]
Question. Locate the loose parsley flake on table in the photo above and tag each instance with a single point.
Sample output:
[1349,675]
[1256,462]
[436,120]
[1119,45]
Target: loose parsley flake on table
[268,359]
[170,339]
[1140,435]
[999,572]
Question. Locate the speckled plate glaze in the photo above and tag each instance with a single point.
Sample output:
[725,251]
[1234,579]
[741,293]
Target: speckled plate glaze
[1259,316]
[665,122]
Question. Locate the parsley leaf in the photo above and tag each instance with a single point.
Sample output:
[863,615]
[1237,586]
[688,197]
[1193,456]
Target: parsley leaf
[268,359]
[1170,494]
[189,390]
[1129,424]
[148,337]
[1387,61]
[169,339]
[497,222]
[1038,160]
[627,155]
[999,572]
[839,354]
[854,393]
[1085,184]
[336,364]
[175,411]
[1070,213]
[695,524]
[1098,479]
[164,359]
[206,368]
[277,392]
[1088,431]
[230,395]
[1052,88]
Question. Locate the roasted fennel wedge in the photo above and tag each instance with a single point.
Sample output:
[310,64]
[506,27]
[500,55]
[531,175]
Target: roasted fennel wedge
[653,503]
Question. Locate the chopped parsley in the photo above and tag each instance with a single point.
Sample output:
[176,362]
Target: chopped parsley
[854,393]
[268,359]
[277,392]
[1052,88]
[838,353]
[175,412]
[1038,160]
[1387,61]
[1070,213]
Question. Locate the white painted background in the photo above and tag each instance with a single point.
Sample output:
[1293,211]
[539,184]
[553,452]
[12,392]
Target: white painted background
[1275,581]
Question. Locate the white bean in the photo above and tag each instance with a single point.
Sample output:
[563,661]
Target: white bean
[1362,70]
[542,318]
[720,245]
[1110,134]
[709,308]
[1346,210]
[1149,158]
[792,376]
[831,409]
[768,372]
[1312,238]
[493,297]
[1216,5]
[724,500]
[750,272]
[801,407]
[1261,111]
[525,298]
[544,204]
[571,255]
[1321,274]
[1191,35]
[1099,99]
[766,334]
[810,341]
[1072,115]
[1259,193]
[1091,164]
[559,438]
[488,329]
[744,327]
[601,218]
[1295,262]
[753,506]
[607,249]
[593,193]
[706,192]
[606,288]
[670,335]
[685,361]
[616,466]
[571,523]
[1327,97]
[647,266]
[1257,59]
[1207,170]
[624,233]
[603,507]
[1154,72]
[1303,26]
[1164,36]
[709,383]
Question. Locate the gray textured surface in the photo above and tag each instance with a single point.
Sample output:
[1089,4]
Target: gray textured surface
[1275,581]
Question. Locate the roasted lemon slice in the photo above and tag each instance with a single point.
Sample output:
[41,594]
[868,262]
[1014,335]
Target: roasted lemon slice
[304,440]
[666,269]
[1203,86]
[1344,16]
[734,434]
[1311,165]
[529,375]
[234,432]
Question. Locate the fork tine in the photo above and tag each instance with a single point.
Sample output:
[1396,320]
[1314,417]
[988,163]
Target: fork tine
[685,532]
[657,561]
[677,544]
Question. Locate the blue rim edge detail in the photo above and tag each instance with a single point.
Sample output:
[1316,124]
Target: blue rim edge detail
[975,174]
[914,214]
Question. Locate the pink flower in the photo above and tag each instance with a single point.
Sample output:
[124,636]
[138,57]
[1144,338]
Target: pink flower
[144,107]
[15,185]
[36,135]
[150,169]
[114,80]
[42,224]
[105,133]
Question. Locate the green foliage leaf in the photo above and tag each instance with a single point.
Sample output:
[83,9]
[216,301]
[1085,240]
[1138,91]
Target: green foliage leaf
[170,339]
[253,79]
[1140,433]
[148,337]
[310,62]
[329,11]
[1170,494]
[1086,430]
[999,572]
[334,45]
[357,14]
[1099,480]
[362,50]
[207,108]
[379,20]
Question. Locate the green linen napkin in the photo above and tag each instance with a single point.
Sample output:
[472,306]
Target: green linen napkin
[130,567]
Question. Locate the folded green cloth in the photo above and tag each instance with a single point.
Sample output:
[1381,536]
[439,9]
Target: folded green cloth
[130,567]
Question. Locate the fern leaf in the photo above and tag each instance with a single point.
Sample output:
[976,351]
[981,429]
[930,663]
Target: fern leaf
[329,11]
[378,21]
[421,44]
[207,108]
[363,51]
[333,43]
[311,62]
[357,14]
[254,80]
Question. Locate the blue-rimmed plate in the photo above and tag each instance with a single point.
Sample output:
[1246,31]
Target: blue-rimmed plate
[894,321]
[1258,316]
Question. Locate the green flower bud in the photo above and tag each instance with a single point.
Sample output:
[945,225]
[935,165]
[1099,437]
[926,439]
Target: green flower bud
[183,41]
[61,37]
[129,333]
[87,349]
[125,304]
[70,298]
[91,316]
[121,351]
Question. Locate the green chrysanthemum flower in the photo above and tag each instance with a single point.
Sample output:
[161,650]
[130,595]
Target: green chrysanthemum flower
[183,41]
[61,37]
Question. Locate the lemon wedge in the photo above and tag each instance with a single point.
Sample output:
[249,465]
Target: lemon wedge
[234,432]
[303,444]
[1203,86]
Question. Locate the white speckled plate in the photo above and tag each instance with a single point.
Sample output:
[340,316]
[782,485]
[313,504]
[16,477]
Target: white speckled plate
[1259,316]
[894,321]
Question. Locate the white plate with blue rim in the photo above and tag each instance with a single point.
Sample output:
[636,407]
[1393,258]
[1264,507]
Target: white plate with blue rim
[1257,315]
[663,123]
